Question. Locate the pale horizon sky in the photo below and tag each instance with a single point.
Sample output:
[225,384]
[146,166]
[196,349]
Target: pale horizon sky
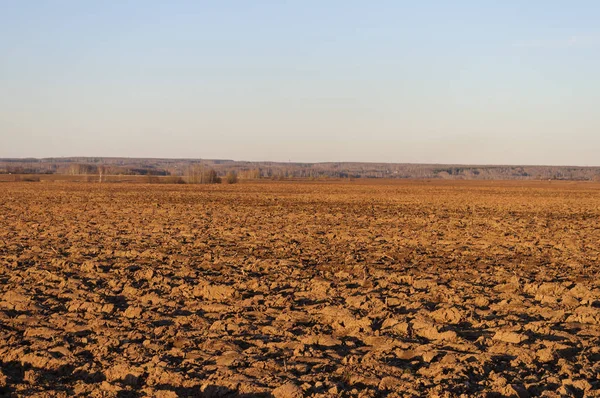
[463,82]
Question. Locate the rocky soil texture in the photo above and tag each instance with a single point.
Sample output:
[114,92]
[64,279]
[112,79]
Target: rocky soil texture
[300,289]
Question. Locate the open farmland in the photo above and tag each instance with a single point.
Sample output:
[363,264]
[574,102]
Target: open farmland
[364,288]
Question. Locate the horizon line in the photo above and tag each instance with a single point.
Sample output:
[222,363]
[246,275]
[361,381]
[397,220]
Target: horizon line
[301,162]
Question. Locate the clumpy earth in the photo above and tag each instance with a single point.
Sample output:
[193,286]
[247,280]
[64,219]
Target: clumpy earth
[285,289]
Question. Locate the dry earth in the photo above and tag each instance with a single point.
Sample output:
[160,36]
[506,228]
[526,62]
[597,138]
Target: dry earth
[300,289]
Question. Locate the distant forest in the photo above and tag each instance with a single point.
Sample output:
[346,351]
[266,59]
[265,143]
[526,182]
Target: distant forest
[283,170]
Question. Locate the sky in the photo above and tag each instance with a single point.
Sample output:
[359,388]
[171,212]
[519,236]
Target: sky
[464,81]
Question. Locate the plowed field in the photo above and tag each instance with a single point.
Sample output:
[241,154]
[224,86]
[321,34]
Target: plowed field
[300,289]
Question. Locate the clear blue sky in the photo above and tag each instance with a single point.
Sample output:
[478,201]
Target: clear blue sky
[396,81]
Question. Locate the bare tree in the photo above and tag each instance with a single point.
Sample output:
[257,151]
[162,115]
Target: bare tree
[196,174]
[231,177]
[101,172]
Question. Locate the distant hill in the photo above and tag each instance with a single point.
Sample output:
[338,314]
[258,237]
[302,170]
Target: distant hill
[282,170]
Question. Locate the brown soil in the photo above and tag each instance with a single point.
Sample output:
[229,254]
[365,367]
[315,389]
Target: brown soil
[300,289]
